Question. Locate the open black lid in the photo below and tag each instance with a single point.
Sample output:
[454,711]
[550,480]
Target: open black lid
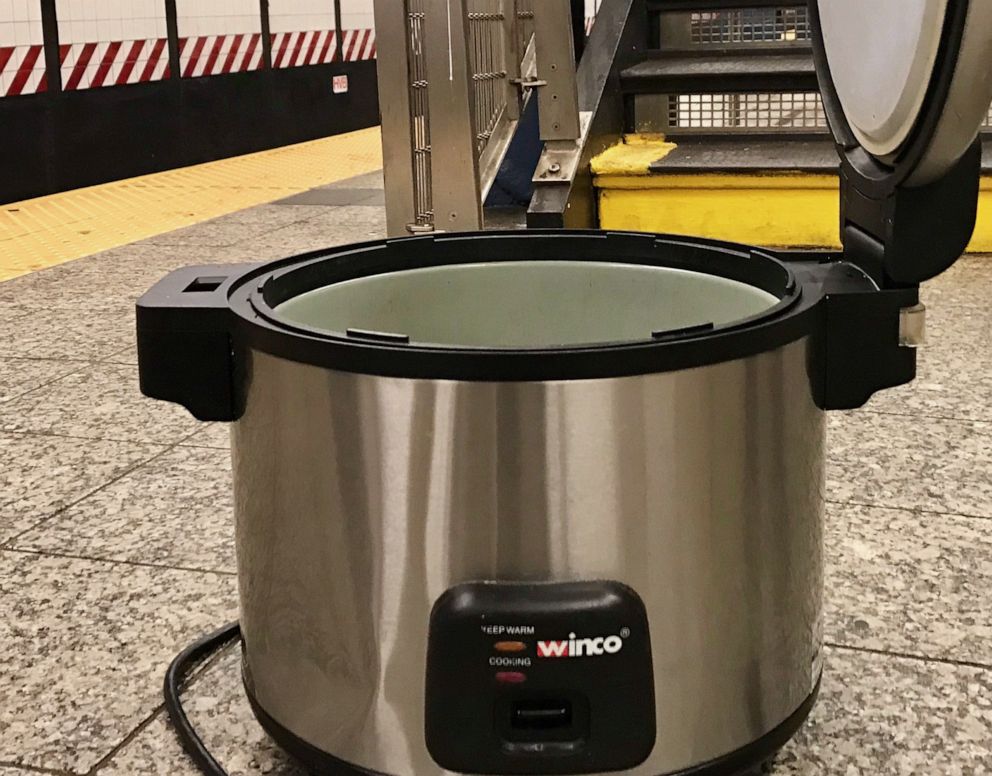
[906,87]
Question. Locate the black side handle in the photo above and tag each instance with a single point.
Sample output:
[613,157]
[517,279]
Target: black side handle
[185,352]
[856,350]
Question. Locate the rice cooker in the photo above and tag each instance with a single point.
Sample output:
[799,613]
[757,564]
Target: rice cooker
[550,502]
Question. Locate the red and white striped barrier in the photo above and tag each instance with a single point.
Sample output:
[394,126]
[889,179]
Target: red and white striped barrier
[118,63]
[358,45]
[22,70]
[220,54]
[297,49]
[113,63]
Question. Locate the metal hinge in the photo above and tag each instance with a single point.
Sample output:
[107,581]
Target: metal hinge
[913,326]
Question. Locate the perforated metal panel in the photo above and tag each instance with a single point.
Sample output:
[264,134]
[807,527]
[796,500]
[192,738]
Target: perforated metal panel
[746,112]
[420,124]
[749,25]
[782,24]
[489,70]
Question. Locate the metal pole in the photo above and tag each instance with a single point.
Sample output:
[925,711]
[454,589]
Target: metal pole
[558,97]
[50,33]
[454,161]
[393,65]
[512,56]
[172,35]
[263,11]
[338,33]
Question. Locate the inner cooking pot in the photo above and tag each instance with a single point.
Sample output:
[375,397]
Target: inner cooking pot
[527,303]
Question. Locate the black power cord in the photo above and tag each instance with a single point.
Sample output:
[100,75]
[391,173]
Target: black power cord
[175,680]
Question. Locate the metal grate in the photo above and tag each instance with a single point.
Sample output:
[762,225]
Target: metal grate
[748,112]
[752,25]
[420,124]
[489,71]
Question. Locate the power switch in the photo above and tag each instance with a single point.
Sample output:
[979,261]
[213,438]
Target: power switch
[540,715]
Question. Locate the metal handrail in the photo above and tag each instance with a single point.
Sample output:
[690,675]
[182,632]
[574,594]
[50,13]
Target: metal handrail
[452,78]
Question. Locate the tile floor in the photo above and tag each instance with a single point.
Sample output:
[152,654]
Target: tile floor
[116,545]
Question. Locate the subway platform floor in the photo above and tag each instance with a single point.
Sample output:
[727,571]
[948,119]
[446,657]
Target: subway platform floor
[116,532]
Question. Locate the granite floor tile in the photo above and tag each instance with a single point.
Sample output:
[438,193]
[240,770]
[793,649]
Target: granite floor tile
[215,435]
[883,715]
[328,227]
[875,715]
[111,281]
[369,180]
[176,511]
[102,401]
[128,355]
[10,311]
[958,312]
[20,375]
[219,711]
[74,333]
[227,230]
[952,382]
[349,215]
[906,582]
[910,462]
[113,278]
[86,644]
[337,197]
[40,475]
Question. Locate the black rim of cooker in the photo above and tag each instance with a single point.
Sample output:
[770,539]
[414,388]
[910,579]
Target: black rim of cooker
[256,297]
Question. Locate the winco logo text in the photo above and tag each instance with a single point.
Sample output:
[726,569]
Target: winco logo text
[573,647]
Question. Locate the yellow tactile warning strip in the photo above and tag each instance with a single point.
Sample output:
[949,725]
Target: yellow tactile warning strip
[42,232]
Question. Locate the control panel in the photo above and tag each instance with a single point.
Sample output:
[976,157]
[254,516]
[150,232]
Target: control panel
[548,678]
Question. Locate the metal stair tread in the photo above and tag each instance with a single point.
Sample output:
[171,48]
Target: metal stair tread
[681,6]
[748,155]
[727,72]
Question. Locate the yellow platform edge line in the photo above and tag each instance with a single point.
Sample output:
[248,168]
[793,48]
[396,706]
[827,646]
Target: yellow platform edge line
[50,230]
[776,210]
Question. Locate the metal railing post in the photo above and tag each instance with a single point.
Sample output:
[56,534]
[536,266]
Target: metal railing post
[512,56]
[558,96]
[457,193]
[393,63]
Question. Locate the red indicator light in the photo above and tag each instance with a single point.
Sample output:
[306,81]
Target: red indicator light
[511,677]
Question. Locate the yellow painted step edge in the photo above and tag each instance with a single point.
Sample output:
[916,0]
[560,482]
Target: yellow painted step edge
[780,209]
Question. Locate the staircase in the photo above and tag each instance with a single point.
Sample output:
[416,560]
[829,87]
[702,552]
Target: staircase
[725,132]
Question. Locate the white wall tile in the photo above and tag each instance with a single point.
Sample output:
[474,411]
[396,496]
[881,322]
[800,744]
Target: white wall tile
[301,15]
[6,13]
[6,33]
[89,21]
[357,15]
[20,23]
[218,17]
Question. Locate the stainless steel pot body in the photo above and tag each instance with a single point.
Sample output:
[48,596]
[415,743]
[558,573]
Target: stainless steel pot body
[361,499]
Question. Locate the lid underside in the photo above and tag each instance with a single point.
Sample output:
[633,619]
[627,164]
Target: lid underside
[884,57]
[881,56]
